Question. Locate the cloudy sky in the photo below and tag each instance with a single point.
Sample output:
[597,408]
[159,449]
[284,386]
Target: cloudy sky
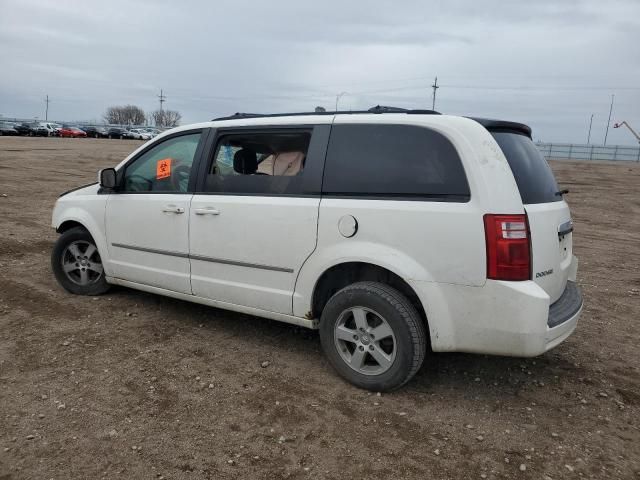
[548,63]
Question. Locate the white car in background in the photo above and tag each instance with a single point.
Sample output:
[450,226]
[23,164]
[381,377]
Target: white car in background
[152,132]
[138,134]
[390,231]
[48,129]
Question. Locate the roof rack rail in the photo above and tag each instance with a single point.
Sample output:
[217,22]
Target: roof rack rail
[385,109]
[376,109]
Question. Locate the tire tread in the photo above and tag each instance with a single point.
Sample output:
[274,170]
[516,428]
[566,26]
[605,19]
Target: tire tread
[408,313]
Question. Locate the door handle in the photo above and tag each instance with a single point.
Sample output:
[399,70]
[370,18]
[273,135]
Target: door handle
[173,209]
[206,211]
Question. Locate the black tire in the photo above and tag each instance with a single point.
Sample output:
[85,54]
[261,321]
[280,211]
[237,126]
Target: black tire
[96,283]
[409,332]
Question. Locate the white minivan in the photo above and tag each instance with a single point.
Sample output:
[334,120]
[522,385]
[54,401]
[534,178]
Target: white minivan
[392,231]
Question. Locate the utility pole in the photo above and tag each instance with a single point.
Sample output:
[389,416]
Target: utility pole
[46,110]
[163,98]
[338,97]
[589,135]
[609,121]
[435,87]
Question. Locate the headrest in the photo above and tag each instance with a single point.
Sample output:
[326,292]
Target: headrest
[288,163]
[245,161]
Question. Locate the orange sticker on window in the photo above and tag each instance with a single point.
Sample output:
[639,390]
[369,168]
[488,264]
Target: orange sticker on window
[163,168]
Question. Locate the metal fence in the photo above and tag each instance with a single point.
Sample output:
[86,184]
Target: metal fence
[573,151]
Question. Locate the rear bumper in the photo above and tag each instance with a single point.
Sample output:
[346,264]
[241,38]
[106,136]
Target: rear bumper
[563,315]
[499,318]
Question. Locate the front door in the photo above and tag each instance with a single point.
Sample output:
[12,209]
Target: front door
[147,219]
[253,221]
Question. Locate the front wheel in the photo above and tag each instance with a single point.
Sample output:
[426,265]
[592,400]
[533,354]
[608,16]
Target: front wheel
[373,336]
[77,265]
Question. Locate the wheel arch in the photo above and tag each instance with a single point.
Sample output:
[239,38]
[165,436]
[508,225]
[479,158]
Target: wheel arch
[68,225]
[343,274]
[65,219]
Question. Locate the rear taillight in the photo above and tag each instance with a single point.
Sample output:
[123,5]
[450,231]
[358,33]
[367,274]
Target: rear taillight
[508,247]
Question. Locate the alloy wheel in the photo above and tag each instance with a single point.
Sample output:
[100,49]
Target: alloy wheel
[365,341]
[81,263]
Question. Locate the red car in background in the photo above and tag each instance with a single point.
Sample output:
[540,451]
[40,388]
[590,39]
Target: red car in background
[71,132]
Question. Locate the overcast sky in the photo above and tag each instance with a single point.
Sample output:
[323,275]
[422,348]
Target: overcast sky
[550,64]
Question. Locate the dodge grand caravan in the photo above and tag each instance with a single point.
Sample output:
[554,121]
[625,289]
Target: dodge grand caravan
[391,231]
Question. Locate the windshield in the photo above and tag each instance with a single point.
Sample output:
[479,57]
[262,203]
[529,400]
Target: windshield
[532,172]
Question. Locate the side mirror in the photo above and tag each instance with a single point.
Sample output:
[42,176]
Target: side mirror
[107,178]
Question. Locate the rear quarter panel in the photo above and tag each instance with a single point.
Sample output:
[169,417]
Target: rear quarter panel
[423,241]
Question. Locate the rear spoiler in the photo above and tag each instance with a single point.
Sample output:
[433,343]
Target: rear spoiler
[503,126]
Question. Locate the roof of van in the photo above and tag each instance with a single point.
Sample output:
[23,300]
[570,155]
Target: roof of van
[489,124]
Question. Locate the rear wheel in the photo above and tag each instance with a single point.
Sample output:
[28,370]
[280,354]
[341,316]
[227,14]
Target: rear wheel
[373,336]
[77,265]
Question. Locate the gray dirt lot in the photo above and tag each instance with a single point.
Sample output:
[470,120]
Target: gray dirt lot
[131,385]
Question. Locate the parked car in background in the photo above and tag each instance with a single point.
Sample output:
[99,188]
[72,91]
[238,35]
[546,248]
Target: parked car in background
[7,128]
[152,132]
[116,132]
[46,129]
[128,134]
[26,129]
[95,131]
[137,134]
[69,131]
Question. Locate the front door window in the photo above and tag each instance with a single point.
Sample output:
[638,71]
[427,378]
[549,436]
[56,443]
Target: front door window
[164,168]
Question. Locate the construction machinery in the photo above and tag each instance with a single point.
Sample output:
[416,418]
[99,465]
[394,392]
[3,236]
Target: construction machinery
[624,123]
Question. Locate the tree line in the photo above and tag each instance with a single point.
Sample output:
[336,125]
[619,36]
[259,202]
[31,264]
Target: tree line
[134,115]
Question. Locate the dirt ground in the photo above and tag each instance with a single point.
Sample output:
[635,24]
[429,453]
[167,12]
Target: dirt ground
[131,385]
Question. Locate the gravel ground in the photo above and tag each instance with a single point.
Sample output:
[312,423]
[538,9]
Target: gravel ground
[131,385]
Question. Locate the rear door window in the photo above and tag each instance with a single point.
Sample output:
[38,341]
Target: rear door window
[393,161]
[267,161]
[533,175]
